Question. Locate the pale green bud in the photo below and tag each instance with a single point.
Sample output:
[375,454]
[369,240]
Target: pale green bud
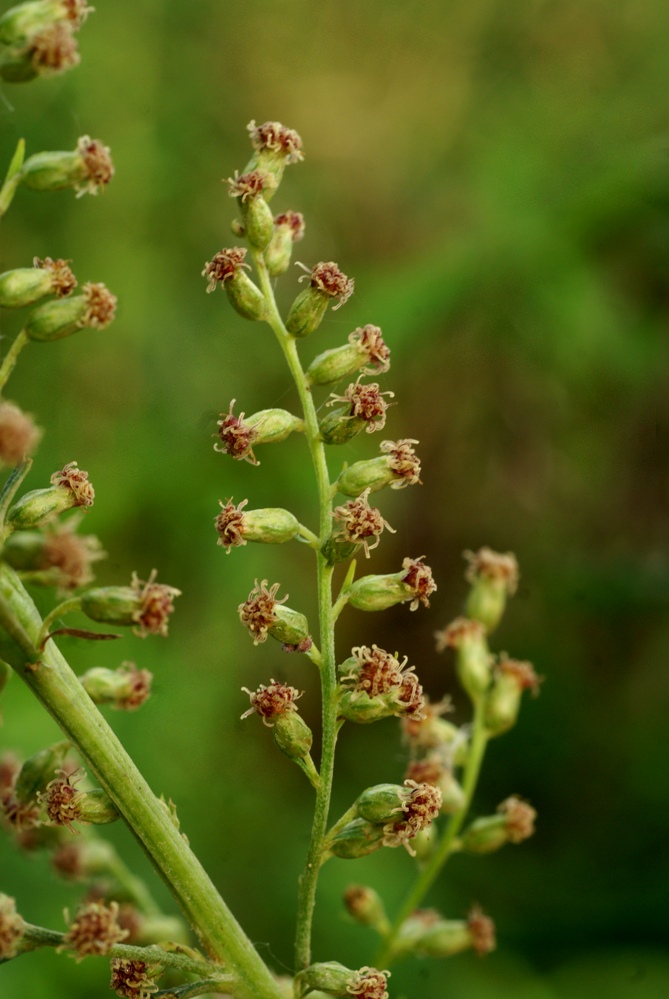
[366,349]
[473,659]
[357,839]
[426,934]
[125,688]
[147,605]
[95,807]
[19,23]
[226,268]
[56,319]
[292,735]
[288,229]
[70,487]
[87,169]
[397,467]
[264,615]
[513,824]
[493,577]
[28,284]
[308,309]
[381,803]
[366,907]
[414,582]
[511,678]
[339,427]
[271,526]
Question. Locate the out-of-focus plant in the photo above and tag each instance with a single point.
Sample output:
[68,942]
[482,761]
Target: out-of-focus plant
[46,799]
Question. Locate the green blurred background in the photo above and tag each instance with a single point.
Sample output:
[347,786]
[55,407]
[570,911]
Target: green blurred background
[496,177]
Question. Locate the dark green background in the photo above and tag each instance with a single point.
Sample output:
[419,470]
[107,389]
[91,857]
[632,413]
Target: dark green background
[495,176]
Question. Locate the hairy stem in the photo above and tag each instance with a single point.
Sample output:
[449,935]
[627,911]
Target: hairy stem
[308,880]
[447,843]
[11,358]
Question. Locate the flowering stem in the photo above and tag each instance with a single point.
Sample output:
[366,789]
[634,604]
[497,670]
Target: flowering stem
[11,357]
[60,692]
[308,880]
[446,846]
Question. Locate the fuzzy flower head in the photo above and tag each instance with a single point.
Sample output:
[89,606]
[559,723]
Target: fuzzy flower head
[71,555]
[376,671]
[224,265]
[458,633]
[97,163]
[133,979]
[487,564]
[257,612]
[54,50]
[77,11]
[100,306]
[368,983]
[275,138]
[61,799]
[94,930]
[156,605]
[236,437]
[18,434]
[370,339]
[520,672]
[293,222]
[403,462]
[366,402]
[419,577]
[520,818]
[230,525]
[482,929]
[420,807]
[63,281]
[76,480]
[359,522]
[328,280]
[271,701]
[12,928]
[248,185]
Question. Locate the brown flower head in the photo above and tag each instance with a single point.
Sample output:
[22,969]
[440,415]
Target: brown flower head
[420,807]
[368,983]
[72,555]
[133,979]
[419,578]
[457,632]
[257,612]
[519,816]
[293,221]
[428,770]
[411,697]
[67,860]
[360,521]
[276,138]
[224,265]
[100,306]
[236,437]
[403,461]
[98,165]
[139,683]
[77,11]
[482,930]
[366,402]
[61,799]
[94,930]
[248,185]
[54,50]
[370,339]
[75,479]
[275,699]
[230,525]
[63,280]
[157,603]
[376,671]
[491,565]
[18,434]
[12,927]
[522,672]
[327,279]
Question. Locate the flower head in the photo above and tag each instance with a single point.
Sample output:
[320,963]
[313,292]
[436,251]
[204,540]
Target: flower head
[236,437]
[63,280]
[94,930]
[18,434]
[459,631]
[54,49]
[230,525]
[97,163]
[368,983]
[157,603]
[224,265]
[247,185]
[327,279]
[293,222]
[71,555]
[76,480]
[359,521]
[370,339]
[419,578]
[376,671]
[519,816]
[271,701]
[61,799]
[100,306]
[487,564]
[133,979]
[276,138]
[257,612]
[482,929]
[420,807]
[403,461]
[366,402]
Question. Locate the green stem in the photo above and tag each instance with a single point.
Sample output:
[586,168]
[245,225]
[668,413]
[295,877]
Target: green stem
[13,178]
[445,847]
[306,764]
[59,690]
[307,885]
[9,491]
[11,357]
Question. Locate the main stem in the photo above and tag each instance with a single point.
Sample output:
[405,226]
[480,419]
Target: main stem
[439,858]
[309,878]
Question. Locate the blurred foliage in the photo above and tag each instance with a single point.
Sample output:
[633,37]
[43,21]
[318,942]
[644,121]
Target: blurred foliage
[495,176]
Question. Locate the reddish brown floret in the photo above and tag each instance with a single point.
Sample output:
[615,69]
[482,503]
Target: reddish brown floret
[368,983]
[520,817]
[522,672]
[377,671]
[275,699]
[75,479]
[230,525]
[419,578]
[293,221]
[248,185]
[360,521]
[157,603]
[403,461]
[412,697]
[370,339]
[139,687]
[366,402]
[63,280]
[54,50]
[100,306]
[482,930]
[236,437]
[18,434]
[421,806]
[133,979]
[330,281]
[257,612]
[97,162]
[61,799]
[491,565]
[274,136]
[94,930]
[77,11]
[224,265]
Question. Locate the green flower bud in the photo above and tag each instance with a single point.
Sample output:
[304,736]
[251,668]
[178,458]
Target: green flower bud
[18,24]
[28,284]
[426,934]
[366,907]
[96,808]
[339,427]
[70,487]
[258,219]
[271,526]
[147,605]
[513,824]
[264,615]
[308,309]
[87,169]
[38,770]
[292,735]
[125,688]
[473,659]
[397,468]
[381,803]
[366,349]
[334,979]
[493,578]
[57,319]
[238,436]
[275,146]
[365,409]
[48,52]
[357,839]
[225,268]
[288,229]
[511,678]
[414,582]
